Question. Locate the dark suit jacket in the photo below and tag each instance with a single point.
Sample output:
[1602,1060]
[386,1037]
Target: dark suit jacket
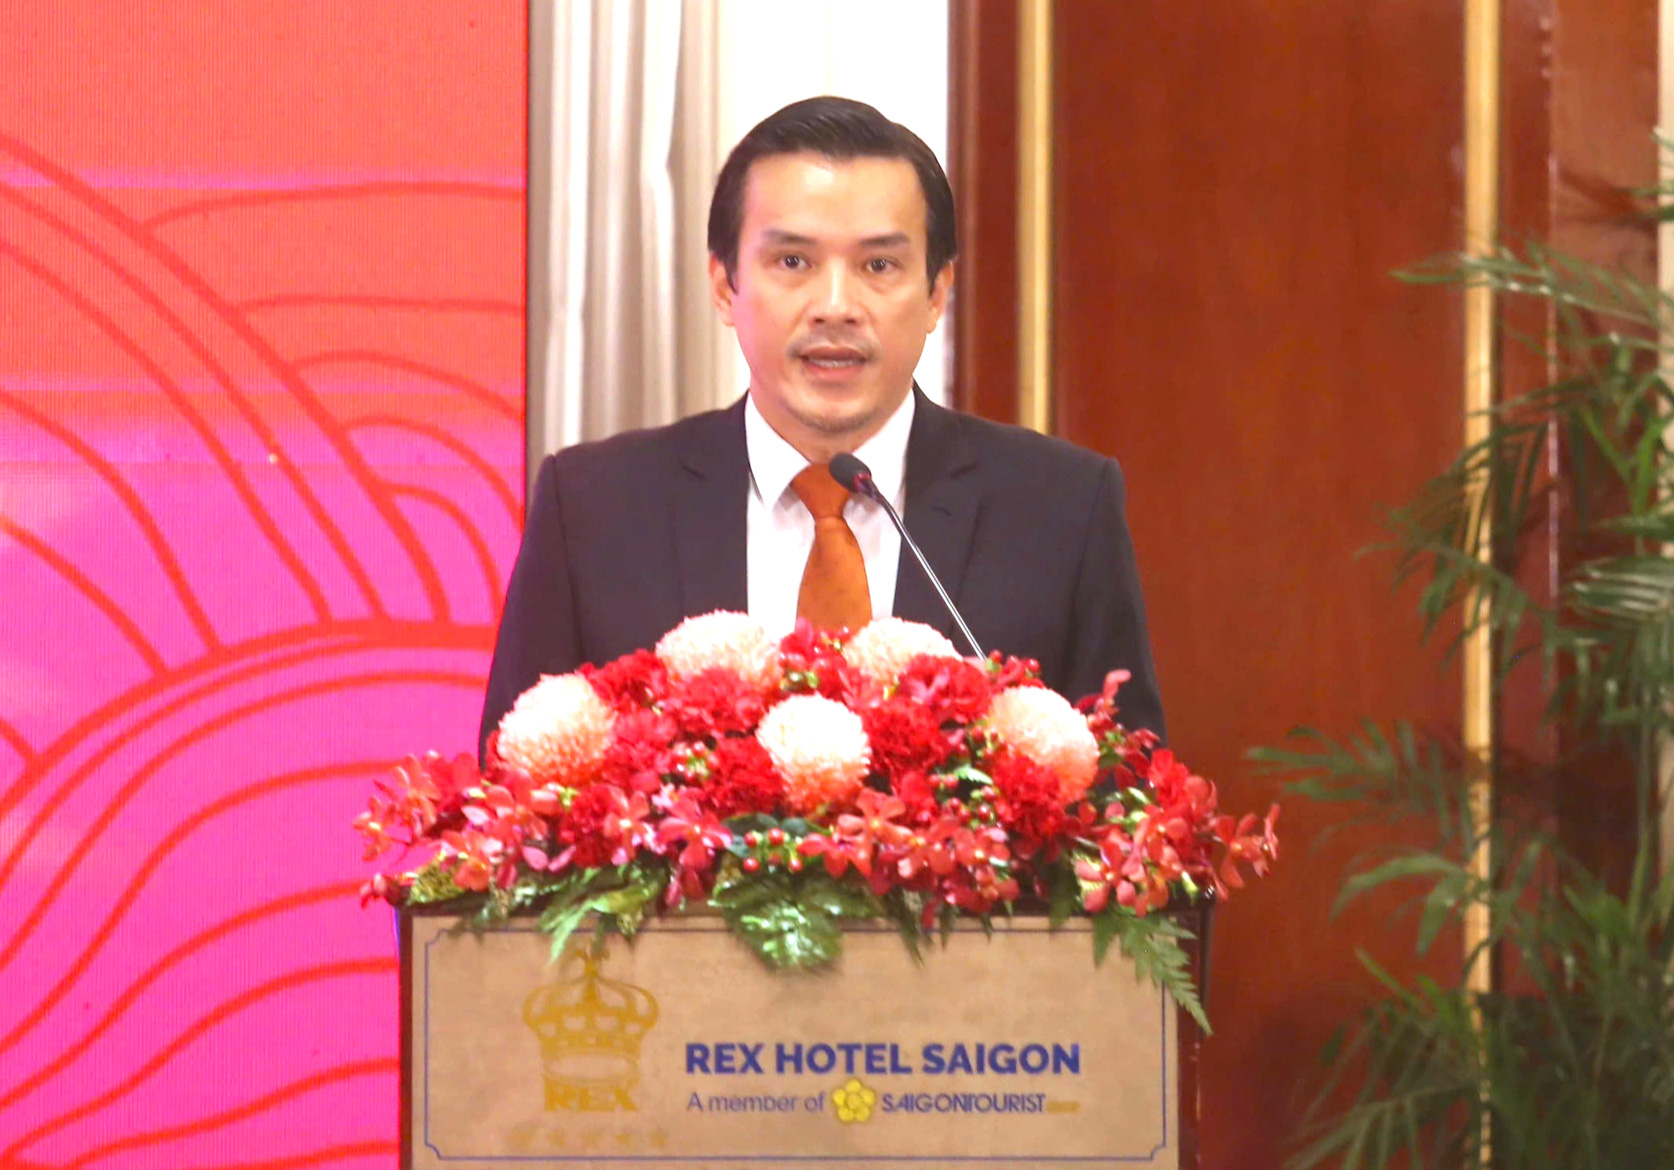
[628,536]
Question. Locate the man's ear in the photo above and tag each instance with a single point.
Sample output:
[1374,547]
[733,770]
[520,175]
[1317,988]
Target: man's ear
[720,289]
[938,295]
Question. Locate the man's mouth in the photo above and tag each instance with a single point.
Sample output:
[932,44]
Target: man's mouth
[834,358]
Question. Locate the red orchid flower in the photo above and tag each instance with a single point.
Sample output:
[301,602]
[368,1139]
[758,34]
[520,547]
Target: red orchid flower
[696,836]
[856,837]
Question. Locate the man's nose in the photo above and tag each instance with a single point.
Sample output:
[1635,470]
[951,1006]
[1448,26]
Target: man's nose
[834,300]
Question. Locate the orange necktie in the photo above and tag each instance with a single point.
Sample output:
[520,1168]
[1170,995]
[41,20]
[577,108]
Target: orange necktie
[834,591]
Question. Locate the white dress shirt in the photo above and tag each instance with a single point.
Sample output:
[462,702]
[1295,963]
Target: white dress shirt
[780,529]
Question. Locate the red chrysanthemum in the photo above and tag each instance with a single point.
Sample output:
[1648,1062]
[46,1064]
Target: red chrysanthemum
[631,683]
[742,779]
[717,701]
[1029,801]
[905,736]
[954,691]
[639,752]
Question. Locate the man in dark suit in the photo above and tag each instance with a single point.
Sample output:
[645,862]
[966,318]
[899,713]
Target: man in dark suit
[832,240]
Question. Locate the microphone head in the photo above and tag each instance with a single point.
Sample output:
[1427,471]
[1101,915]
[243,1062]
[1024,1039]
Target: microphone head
[849,471]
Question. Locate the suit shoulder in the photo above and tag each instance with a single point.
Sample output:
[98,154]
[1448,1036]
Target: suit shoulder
[638,454]
[1033,454]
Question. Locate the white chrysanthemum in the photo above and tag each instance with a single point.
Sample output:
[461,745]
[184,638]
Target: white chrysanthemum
[735,641]
[819,747]
[883,647]
[1044,726]
[557,731]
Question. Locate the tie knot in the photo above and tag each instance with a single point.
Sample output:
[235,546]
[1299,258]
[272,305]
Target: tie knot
[823,496]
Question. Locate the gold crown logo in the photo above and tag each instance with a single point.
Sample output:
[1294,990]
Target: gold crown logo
[590,1029]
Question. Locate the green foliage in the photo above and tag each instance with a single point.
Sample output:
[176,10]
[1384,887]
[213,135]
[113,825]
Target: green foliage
[1152,943]
[905,908]
[1573,1067]
[433,884]
[620,895]
[790,920]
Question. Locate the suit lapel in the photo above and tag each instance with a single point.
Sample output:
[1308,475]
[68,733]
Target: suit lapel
[942,505]
[709,515]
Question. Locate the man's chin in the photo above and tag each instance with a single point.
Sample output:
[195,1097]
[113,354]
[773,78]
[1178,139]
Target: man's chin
[833,410]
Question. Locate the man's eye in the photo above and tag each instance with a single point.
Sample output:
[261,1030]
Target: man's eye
[879,265]
[792,263]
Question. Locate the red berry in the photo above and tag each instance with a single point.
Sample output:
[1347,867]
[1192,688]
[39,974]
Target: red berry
[751,864]
[795,863]
[752,838]
[775,836]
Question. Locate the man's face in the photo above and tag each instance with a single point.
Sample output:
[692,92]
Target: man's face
[832,301]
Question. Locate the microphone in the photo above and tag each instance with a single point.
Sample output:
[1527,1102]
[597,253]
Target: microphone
[849,471]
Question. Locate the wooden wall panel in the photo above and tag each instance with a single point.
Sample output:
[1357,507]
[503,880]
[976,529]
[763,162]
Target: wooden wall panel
[983,171]
[1235,183]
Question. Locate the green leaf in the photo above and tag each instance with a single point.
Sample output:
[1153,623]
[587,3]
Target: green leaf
[750,822]
[836,898]
[947,918]
[1152,944]
[905,908]
[627,906]
[787,934]
[559,921]
[1063,891]
[1410,865]
[433,884]
[792,920]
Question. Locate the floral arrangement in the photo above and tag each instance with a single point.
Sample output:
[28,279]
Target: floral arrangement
[795,784]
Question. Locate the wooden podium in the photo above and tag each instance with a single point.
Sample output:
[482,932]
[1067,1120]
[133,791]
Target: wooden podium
[681,1051]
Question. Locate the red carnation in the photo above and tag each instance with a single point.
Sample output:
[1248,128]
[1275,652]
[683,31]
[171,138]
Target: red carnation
[814,664]
[1030,800]
[742,779]
[717,701]
[807,641]
[603,826]
[905,736]
[918,795]
[1013,672]
[631,683]
[639,751]
[954,690]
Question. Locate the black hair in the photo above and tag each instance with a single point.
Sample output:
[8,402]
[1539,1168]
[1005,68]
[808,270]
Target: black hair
[841,129]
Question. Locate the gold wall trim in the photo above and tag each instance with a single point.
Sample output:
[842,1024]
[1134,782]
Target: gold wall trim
[1482,187]
[1034,214]
[1482,201]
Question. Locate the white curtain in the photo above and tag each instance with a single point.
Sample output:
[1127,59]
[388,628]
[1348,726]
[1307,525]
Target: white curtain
[602,218]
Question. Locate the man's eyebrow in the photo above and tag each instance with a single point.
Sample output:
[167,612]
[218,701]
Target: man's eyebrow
[890,240]
[780,236]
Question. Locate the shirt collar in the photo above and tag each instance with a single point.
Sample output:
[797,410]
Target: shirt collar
[774,462]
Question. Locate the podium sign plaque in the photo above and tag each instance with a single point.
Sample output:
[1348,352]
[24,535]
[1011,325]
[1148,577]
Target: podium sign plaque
[681,1051]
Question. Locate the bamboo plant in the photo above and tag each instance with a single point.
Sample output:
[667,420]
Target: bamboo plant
[1570,1063]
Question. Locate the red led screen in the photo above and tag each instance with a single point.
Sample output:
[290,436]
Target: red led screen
[261,464]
